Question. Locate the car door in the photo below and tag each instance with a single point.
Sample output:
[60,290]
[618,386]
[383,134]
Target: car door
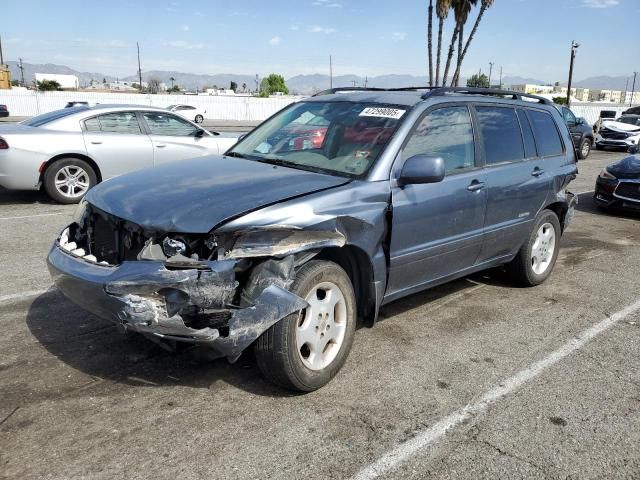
[117,143]
[572,124]
[175,139]
[437,228]
[518,182]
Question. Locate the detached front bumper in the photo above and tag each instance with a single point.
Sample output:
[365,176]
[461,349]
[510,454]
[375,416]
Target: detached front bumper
[149,298]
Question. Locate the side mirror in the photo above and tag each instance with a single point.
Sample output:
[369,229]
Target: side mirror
[199,133]
[422,169]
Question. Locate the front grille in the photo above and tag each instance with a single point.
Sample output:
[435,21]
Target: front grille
[108,238]
[608,134]
[628,190]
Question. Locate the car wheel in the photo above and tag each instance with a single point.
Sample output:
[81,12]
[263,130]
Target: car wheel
[69,179]
[535,260]
[199,119]
[585,148]
[305,350]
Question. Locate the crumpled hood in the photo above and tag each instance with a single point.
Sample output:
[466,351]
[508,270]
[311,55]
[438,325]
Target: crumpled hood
[620,126]
[628,167]
[196,195]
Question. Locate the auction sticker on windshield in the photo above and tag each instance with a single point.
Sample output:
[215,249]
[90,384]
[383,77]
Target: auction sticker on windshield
[382,112]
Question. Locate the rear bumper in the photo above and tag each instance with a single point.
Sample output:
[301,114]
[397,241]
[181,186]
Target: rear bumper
[4,114]
[146,297]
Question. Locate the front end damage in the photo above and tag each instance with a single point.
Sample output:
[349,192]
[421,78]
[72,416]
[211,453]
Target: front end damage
[219,291]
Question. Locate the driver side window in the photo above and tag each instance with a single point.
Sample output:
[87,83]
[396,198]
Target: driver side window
[448,133]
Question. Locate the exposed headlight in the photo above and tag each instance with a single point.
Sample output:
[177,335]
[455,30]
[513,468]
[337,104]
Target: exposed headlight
[172,247]
[80,212]
[604,174]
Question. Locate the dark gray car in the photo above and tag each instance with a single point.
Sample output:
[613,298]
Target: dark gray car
[331,208]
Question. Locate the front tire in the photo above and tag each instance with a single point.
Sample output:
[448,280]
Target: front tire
[585,148]
[535,260]
[68,180]
[199,119]
[306,349]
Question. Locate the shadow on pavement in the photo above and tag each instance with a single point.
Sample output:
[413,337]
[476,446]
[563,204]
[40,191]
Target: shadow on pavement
[587,204]
[22,197]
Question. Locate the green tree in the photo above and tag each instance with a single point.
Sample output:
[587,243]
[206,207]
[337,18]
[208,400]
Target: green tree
[461,10]
[233,86]
[442,11]
[484,5]
[480,81]
[175,88]
[272,84]
[560,100]
[48,85]
[15,83]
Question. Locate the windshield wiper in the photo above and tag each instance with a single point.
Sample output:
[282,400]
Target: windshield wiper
[235,155]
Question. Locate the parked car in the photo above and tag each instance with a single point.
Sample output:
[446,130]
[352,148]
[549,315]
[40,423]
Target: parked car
[622,133]
[68,151]
[632,111]
[581,132]
[285,249]
[4,111]
[618,185]
[195,114]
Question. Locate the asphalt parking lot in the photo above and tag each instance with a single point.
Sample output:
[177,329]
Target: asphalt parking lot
[474,379]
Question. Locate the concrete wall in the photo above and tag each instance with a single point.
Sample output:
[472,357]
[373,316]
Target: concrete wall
[28,103]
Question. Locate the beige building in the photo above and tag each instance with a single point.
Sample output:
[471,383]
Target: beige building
[532,89]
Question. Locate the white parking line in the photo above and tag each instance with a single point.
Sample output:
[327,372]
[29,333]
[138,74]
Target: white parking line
[32,216]
[19,296]
[426,438]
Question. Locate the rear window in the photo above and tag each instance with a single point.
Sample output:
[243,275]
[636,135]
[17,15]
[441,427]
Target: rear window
[45,118]
[501,134]
[547,136]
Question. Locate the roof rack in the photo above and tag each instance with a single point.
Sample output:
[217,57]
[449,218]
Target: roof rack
[330,91]
[441,91]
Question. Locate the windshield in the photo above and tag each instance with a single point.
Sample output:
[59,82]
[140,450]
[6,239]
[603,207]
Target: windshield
[343,138]
[629,120]
[51,116]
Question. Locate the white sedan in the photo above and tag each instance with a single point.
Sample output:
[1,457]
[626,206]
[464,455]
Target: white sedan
[195,114]
[68,151]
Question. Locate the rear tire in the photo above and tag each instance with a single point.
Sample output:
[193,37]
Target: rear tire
[306,349]
[199,119]
[68,180]
[535,260]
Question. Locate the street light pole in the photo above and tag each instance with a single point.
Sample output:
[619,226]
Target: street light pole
[633,88]
[500,78]
[490,71]
[139,69]
[574,47]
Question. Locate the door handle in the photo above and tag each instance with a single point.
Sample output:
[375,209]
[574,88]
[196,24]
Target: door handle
[96,142]
[537,172]
[475,186]
[160,146]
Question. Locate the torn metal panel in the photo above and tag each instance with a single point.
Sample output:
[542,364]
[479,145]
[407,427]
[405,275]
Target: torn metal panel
[280,243]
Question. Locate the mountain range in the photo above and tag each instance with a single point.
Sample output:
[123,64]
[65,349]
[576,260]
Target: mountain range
[300,84]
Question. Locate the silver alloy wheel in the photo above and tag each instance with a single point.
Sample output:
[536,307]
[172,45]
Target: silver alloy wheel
[321,326]
[72,181]
[543,248]
[586,148]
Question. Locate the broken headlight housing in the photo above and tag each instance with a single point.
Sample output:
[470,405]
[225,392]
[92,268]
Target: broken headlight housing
[172,247]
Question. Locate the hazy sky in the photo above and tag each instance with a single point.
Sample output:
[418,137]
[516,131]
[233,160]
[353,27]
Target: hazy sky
[365,37]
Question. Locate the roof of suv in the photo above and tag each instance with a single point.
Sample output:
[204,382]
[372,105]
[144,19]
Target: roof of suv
[411,96]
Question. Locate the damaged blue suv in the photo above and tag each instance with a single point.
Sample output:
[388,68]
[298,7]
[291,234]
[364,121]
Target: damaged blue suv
[329,209]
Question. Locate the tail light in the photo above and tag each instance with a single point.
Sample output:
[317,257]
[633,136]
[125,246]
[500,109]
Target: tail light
[3,144]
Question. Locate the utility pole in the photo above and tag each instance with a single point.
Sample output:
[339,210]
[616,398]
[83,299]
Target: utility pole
[574,48]
[626,90]
[21,71]
[1,57]
[366,81]
[139,69]
[330,73]
[490,72]
[500,78]
[633,89]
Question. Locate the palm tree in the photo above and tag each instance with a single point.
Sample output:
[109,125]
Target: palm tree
[442,11]
[461,9]
[172,80]
[483,8]
[430,43]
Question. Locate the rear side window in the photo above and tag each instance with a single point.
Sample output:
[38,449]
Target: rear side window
[501,134]
[547,137]
[121,122]
[527,135]
[446,132]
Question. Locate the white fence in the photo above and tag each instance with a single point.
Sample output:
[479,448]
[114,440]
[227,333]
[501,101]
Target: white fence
[591,111]
[27,103]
